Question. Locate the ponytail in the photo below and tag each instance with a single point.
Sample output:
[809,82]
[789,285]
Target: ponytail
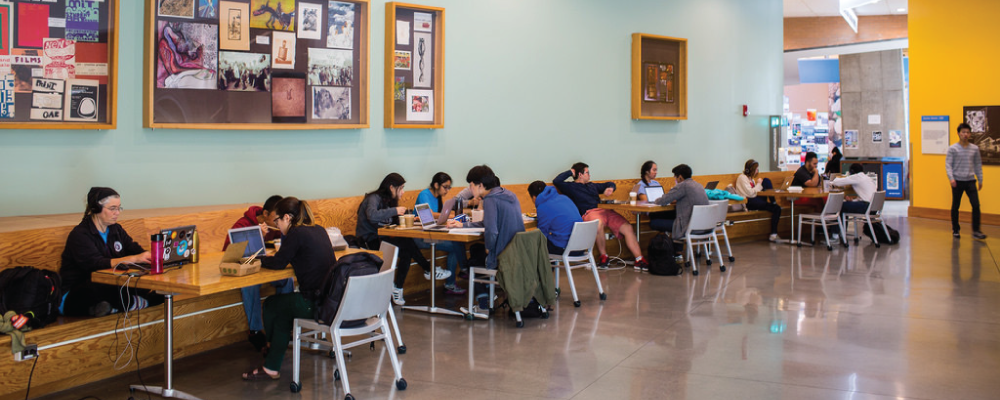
[299,210]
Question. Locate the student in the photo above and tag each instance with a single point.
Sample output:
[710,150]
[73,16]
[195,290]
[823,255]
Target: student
[687,193]
[439,187]
[863,185]
[263,217]
[586,195]
[808,174]
[748,185]
[307,247]
[380,208]
[659,221]
[556,215]
[501,215]
[964,165]
[97,243]
[833,165]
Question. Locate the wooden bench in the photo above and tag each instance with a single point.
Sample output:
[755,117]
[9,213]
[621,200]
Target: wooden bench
[74,351]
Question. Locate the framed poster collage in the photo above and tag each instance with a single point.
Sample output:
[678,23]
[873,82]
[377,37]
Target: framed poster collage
[659,77]
[414,67]
[58,64]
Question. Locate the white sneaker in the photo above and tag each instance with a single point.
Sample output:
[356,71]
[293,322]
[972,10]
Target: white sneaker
[774,237]
[397,296]
[439,274]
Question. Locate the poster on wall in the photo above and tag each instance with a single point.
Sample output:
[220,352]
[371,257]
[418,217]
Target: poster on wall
[178,68]
[835,124]
[340,21]
[283,50]
[658,82]
[331,102]
[234,30]
[309,21]
[276,15]
[82,20]
[895,139]
[423,61]
[876,136]
[984,136]
[420,105]
[934,134]
[176,8]
[81,100]
[851,139]
[7,96]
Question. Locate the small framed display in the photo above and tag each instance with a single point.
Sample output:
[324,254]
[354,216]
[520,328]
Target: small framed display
[58,64]
[256,64]
[414,66]
[659,77]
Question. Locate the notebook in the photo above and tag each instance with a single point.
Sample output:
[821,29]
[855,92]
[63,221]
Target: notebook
[253,237]
[653,193]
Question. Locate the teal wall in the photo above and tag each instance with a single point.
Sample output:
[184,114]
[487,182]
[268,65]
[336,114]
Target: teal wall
[532,86]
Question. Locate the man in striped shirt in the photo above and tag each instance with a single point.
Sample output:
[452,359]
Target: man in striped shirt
[964,166]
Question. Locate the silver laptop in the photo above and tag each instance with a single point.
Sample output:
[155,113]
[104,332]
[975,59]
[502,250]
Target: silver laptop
[653,193]
[427,218]
[252,235]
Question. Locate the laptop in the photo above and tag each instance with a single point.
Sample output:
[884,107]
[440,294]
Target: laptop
[177,245]
[712,185]
[427,220]
[253,237]
[787,182]
[653,193]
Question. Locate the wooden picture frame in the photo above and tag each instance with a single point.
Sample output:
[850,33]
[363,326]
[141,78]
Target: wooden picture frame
[396,110]
[106,97]
[659,77]
[156,100]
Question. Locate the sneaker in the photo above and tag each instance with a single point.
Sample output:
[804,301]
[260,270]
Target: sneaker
[103,308]
[483,301]
[603,263]
[979,235]
[957,235]
[773,238]
[397,296]
[641,265]
[454,289]
[440,274]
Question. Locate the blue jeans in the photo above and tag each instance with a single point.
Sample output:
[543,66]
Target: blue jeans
[854,207]
[456,256]
[251,301]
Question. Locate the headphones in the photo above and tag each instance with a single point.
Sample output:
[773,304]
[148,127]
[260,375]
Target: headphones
[748,167]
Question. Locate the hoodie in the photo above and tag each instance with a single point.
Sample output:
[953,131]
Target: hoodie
[249,219]
[502,220]
[556,216]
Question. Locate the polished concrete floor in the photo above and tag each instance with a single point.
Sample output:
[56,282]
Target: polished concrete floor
[919,320]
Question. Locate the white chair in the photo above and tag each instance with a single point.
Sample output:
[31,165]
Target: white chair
[365,298]
[721,226]
[701,231]
[581,239]
[829,216]
[389,254]
[873,214]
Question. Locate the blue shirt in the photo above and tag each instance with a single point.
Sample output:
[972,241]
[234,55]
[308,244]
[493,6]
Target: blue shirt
[104,235]
[426,196]
[642,186]
[556,216]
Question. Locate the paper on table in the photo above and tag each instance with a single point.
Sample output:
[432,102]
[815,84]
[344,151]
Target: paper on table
[403,33]
[467,231]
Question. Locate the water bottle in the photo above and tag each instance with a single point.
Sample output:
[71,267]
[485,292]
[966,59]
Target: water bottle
[194,247]
[156,254]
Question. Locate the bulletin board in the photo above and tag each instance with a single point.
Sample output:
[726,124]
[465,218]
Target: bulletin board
[58,64]
[256,64]
[414,66]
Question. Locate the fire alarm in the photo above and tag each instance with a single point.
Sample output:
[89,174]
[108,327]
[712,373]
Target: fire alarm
[746,111]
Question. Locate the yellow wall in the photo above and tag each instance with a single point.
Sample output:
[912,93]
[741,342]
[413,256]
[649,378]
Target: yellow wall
[953,63]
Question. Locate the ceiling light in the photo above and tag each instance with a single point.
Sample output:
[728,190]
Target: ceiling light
[900,10]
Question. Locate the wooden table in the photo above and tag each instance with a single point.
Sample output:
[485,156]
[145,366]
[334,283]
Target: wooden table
[644,207]
[806,193]
[201,278]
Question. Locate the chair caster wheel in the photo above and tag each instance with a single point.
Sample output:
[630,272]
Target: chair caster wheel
[604,296]
[732,259]
[830,248]
[545,315]
[576,303]
[295,387]
[846,245]
[519,324]
[331,354]
[799,244]
[349,397]
[371,346]
[469,317]
[401,349]
[558,292]
[695,272]
[336,374]
[856,241]
[493,311]
[722,268]
[877,245]
[401,384]
[687,264]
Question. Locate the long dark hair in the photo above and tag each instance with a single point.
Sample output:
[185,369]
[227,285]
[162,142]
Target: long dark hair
[646,167]
[385,189]
[439,180]
[299,210]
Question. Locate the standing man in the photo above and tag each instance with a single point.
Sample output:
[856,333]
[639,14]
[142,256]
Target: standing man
[964,166]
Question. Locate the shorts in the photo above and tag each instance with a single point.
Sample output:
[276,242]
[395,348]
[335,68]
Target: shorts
[609,218]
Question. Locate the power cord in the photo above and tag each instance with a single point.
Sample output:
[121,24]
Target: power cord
[138,369]
[619,263]
[27,390]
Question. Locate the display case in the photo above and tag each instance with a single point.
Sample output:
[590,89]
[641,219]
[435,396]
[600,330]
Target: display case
[659,77]
[414,66]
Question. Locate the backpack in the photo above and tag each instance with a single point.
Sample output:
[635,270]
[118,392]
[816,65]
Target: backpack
[661,256]
[880,233]
[532,310]
[33,292]
[331,292]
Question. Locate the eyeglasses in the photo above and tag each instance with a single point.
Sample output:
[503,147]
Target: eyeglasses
[275,220]
[446,187]
[116,209]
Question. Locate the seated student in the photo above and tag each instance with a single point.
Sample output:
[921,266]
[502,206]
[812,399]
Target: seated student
[586,195]
[748,185]
[307,247]
[687,193]
[659,221]
[97,243]
[263,217]
[863,185]
[501,215]
[440,185]
[380,208]
[833,165]
[556,215]
[807,176]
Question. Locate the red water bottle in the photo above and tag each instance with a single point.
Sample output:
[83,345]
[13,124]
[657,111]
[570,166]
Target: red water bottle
[156,254]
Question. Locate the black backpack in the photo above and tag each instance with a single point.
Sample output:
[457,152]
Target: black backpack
[661,256]
[330,294]
[33,292]
[532,310]
[880,233]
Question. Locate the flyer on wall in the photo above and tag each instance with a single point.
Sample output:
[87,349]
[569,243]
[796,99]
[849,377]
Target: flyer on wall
[851,139]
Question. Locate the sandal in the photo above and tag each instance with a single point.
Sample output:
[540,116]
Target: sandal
[258,374]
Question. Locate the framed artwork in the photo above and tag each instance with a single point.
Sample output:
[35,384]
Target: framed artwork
[984,136]
[414,66]
[659,77]
[255,64]
[58,64]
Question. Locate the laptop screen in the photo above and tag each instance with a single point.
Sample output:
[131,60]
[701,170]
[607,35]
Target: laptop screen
[712,185]
[653,193]
[177,244]
[251,235]
[425,214]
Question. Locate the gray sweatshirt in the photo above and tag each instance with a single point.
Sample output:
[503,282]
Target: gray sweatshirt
[687,194]
[502,220]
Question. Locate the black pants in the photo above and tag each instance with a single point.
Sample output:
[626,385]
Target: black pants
[969,188]
[82,297]
[408,251]
[759,203]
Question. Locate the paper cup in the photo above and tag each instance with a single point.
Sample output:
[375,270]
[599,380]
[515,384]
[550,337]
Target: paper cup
[277,244]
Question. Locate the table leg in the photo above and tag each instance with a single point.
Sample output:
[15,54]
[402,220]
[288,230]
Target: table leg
[638,221]
[432,309]
[167,390]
